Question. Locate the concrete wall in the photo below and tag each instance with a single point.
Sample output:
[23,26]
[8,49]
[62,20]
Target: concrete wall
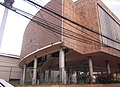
[83,12]
[96,85]
[36,36]
[9,68]
[86,13]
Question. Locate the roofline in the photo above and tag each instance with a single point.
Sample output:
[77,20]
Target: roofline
[9,55]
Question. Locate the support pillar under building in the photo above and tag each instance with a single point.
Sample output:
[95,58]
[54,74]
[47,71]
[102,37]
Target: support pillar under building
[3,23]
[119,67]
[34,79]
[24,74]
[108,67]
[62,66]
[91,68]
[68,76]
[49,76]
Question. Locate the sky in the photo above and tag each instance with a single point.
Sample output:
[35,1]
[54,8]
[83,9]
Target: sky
[16,24]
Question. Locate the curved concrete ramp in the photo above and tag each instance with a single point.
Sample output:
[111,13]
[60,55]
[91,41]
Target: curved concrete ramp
[50,61]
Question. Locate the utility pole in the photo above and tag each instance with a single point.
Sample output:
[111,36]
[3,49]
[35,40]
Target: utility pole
[7,3]
[3,23]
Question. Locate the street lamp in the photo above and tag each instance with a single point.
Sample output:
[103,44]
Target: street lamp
[8,3]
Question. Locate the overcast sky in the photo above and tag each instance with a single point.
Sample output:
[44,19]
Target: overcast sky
[16,24]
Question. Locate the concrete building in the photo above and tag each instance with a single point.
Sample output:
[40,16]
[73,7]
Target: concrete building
[90,43]
[9,69]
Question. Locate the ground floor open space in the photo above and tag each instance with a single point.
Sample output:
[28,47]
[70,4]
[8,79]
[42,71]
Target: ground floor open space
[67,66]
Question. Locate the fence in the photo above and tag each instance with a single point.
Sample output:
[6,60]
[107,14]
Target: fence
[72,75]
[76,75]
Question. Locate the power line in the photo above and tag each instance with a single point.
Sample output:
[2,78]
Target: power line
[58,27]
[71,25]
[49,27]
[46,23]
[32,18]
[42,21]
[65,21]
[67,30]
[58,3]
[65,34]
[74,26]
[72,21]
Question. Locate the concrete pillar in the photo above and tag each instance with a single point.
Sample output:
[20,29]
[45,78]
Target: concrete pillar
[34,79]
[119,67]
[62,66]
[78,74]
[43,77]
[3,23]
[68,75]
[24,74]
[91,68]
[49,76]
[108,67]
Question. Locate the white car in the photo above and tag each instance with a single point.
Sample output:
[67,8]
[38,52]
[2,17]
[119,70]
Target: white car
[3,83]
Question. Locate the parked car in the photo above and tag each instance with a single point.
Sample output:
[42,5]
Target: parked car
[3,83]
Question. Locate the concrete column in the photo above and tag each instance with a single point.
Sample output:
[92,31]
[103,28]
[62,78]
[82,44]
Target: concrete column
[3,23]
[78,74]
[68,75]
[41,76]
[34,79]
[119,67]
[24,74]
[44,77]
[62,66]
[108,67]
[49,76]
[91,68]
